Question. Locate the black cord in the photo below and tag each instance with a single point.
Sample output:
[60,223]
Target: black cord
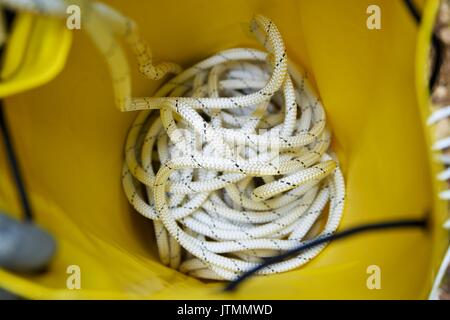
[406,223]
[413,10]
[436,43]
[439,60]
[27,212]
[10,153]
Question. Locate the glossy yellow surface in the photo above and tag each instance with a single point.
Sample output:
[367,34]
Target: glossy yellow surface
[69,137]
[37,51]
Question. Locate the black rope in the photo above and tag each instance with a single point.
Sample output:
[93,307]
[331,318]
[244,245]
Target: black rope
[15,167]
[413,10]
[407,223]
[10,153]
[436,43]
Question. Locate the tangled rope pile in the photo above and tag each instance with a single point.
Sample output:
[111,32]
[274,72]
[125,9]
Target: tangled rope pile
[243,171]
[235,165]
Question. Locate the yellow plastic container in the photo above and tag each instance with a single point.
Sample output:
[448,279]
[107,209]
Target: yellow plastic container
[69,138]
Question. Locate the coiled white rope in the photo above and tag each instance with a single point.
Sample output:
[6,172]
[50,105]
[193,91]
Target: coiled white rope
[235,166]
[220,191]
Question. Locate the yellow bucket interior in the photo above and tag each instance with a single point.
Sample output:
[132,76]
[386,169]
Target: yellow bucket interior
[69,138]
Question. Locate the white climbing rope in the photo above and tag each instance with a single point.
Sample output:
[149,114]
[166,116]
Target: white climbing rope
[234,166]
[221,192]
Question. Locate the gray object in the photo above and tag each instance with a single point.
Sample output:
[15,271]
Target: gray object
[5,295]
[24,247]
